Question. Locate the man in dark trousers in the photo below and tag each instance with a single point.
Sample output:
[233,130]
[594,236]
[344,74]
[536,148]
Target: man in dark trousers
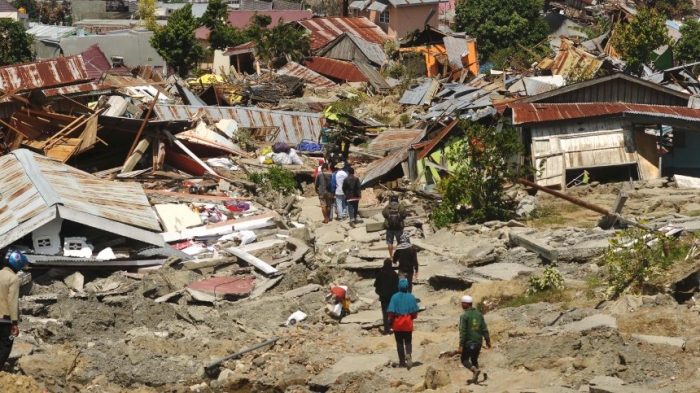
[353,193]
[385,286]
[9,303]
[472,331]
[394,214]
[407,258]
[322,184]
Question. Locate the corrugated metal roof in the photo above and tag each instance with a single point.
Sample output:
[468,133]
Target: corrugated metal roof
[539,113]
[324,30]
[294,126]
[342,70]
[373,76]
[5,6]
[248,47]
[188,97]
[427,149]
[456,49]
[395,138]
[48,73]
[374,52]
[309,76]
[421,94]
[381,167]
[50,32]
[32,183]
[240,19]
[83,89]
[574,64]
[379,6]
[359,5]
[405,3]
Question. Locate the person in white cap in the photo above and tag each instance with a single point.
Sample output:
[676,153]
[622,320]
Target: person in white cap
[472,332]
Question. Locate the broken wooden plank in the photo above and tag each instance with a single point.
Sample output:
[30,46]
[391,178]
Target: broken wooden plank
[253,260]
[535,245]
[143,126]
[135,157]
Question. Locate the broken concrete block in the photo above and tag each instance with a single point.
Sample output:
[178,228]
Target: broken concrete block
[436,378]
[305,290]
[75,282]
[661,340]
[374,226]
[527,206]
[598,321]
[535,245]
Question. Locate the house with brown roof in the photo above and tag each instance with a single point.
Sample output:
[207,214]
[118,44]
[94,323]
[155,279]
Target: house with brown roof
[398,17]
[8,11]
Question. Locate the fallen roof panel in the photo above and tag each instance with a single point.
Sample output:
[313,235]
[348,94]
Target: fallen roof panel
[324,30]
[294,126]
[225,285]
[83,89]
[395,138]
[342,70]
[48,73]
[427,149]
[309,76]
[381,167]
[526,113]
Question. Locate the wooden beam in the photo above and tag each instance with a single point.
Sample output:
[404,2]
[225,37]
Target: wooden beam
[253,260]
[134,158]
[143,125]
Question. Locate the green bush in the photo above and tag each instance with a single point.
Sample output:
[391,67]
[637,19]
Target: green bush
[636,257]
[550,280]
[277,178]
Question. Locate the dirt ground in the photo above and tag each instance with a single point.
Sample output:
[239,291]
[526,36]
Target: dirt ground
[126,342]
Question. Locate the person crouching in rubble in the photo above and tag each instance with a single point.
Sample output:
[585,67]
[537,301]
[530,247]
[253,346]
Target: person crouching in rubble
[339,302]
[9,303]
[403,309]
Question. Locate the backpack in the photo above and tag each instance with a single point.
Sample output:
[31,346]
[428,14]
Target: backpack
[394,220]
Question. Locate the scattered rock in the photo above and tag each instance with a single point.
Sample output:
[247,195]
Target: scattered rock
[598,321]
[436,378]
[527,206]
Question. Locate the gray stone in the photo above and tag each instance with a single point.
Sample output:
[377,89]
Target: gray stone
[75,282]
[527,206]
[481,250]
[330,237]
[306,289]
[502,271]
[597,321]
[661,340]
[349,364]
[436,378]
[360,235]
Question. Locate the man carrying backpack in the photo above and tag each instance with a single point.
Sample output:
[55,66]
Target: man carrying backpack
[394,214]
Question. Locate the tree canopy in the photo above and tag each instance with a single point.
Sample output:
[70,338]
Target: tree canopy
[637,39]
[215,15]
[147,13]
[281,44]
[687,49]
[176,42]
[499,24]
[15,46]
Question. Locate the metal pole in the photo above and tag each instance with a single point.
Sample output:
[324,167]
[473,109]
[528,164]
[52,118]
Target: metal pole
[586,205]
[241,353]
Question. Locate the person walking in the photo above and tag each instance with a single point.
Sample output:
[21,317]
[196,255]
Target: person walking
[385,287]
[351,189]
[402,310]
[472,331]
[9,303]
[407,258]
[322,183]
[394,214]
[337,180]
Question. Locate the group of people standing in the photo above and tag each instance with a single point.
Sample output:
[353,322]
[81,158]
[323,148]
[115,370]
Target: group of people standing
[338,189]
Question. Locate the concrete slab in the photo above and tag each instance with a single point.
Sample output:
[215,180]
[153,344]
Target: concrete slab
[502,271]
[310,210]
[598,321]
[360,235]
[330,237]
[661,340]
[349,364]
[306,289]
[368,316]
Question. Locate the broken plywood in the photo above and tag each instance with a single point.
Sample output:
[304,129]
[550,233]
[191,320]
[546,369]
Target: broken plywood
[175,217]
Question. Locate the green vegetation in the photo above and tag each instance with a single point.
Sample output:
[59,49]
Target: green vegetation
[176,42]
[637,257]
[548,296]
[475,190]
[147,13]
[499,24]
[671,9]
[550,280]
[16,45]
[687,49]
[277,179]
[636,40]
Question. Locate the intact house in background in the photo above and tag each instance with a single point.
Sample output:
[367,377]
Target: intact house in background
[615,127]
[398,17]
[8,11]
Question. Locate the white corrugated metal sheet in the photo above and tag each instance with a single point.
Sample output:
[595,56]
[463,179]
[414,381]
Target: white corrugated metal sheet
[32,183]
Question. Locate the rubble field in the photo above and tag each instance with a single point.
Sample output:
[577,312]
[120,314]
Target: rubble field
[95,331]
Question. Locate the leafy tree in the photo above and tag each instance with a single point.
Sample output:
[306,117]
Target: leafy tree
[687,49]
[15,46]
[54,13]
[147,13]
[637,39]
[176,42]
[475,191]
[498,24]
[215,15]
[281,44]
[671,9]
[30,6]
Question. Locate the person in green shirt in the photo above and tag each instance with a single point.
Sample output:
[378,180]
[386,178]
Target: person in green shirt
[472,331]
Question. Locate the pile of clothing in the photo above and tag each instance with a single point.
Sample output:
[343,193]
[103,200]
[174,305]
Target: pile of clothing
[280,154]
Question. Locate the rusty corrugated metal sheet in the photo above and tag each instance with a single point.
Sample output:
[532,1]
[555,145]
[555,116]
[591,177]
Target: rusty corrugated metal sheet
[373,76]
[294,126]
[381,167]
[539,113]
[81,89]
[395,138]
[309,76]
[343,70]
[575,64]
[220,286]
[248,47]
[33,183]
[404,3]
[427,149]
[48,73]
[324,30]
